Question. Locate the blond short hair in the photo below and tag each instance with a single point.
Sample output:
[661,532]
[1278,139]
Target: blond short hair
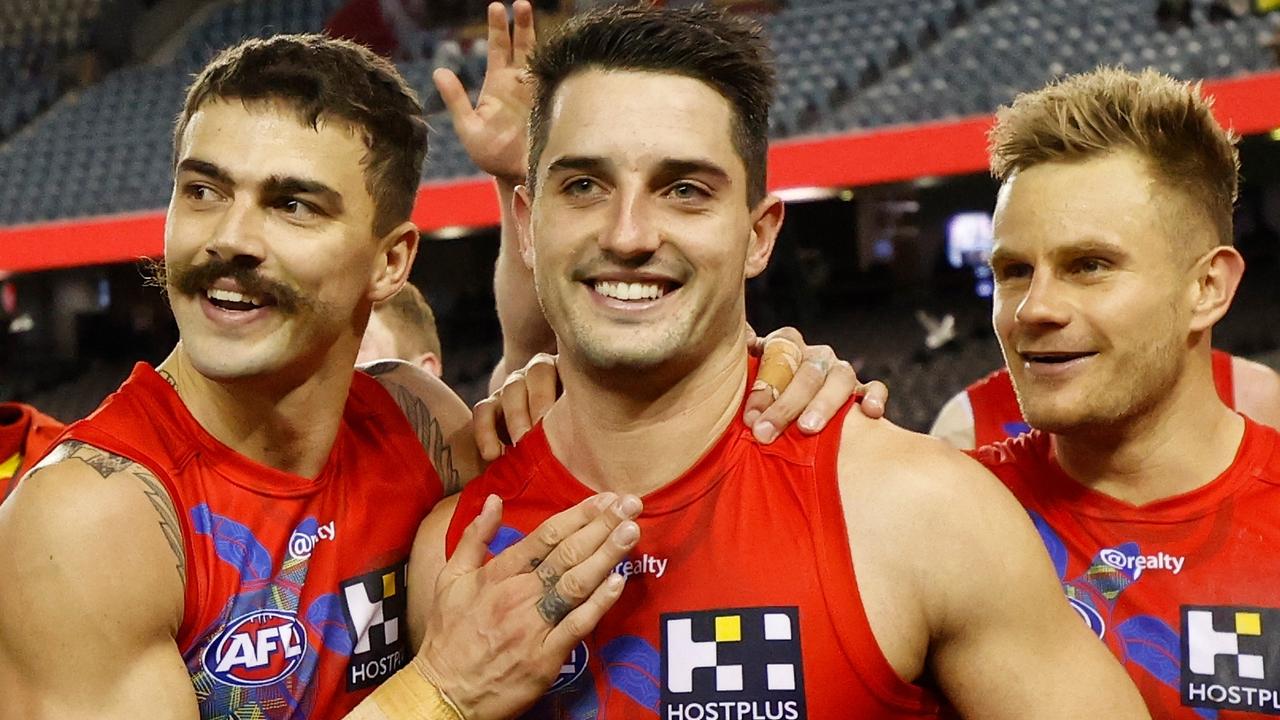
[412,322]
[1166,121]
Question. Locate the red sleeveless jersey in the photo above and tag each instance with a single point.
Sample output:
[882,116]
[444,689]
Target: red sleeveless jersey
[996,414]
[1184,591]
[741,601]
[25,434]
[295,588]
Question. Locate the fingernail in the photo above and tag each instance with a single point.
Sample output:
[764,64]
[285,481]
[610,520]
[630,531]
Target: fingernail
[810,421]
[616,581]
[627,534]
[491,504]
[765,432]
[630,506]
[751,417]
[604,500]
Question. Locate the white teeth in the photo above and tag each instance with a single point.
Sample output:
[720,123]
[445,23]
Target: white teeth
[629,291]
[233,296]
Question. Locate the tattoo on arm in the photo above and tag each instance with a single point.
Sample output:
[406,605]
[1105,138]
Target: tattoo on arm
[107,464]
[430,434]
[163,506]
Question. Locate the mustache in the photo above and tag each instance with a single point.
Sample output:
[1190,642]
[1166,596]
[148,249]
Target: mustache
[193,279]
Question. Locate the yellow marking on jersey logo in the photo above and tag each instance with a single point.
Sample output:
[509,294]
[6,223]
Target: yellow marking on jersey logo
[1248,623]
[9,467]
[729,628]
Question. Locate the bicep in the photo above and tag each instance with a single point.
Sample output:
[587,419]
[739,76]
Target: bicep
[425,563]
[1007,644]
[90,602]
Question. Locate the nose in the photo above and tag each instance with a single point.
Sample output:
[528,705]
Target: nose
[238,236]
[631,232]
[1044,303]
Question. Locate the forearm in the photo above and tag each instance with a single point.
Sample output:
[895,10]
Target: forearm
[408,695]
[525,331]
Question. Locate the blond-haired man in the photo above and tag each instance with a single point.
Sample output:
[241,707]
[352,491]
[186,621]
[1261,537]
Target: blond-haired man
[403,327]
[1158,503]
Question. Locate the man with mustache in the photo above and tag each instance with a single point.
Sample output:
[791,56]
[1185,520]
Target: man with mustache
[238,519]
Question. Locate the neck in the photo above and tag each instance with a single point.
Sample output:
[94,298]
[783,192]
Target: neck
[288,426]
[616,434]
[1186,441]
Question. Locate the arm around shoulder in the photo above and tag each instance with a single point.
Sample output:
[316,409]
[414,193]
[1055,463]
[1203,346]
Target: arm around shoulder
[92,594]
[440,418]
[1002,641]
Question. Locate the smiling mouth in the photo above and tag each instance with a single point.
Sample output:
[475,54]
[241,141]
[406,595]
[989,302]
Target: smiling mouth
[632,291]
[237,301]
[1055,358]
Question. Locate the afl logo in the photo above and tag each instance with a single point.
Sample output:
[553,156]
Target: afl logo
[256,649]
[572,669]
[1090,616]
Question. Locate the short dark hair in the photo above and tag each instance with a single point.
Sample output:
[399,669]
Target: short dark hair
[728,52]
[323,77]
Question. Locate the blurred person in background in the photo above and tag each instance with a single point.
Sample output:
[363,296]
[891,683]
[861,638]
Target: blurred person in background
[25,434]
[404,328]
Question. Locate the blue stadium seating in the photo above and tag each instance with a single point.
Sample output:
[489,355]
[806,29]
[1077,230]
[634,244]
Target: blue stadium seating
[842,64]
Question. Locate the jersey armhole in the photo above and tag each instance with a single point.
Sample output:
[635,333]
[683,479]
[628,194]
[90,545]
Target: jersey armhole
[840,587]
[194,582]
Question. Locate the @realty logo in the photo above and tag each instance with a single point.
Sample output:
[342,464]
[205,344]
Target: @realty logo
[1135,564]
[304,540]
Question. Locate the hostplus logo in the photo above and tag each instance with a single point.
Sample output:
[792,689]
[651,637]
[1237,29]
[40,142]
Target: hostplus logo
[738,664]
[1231,658]
[375,604]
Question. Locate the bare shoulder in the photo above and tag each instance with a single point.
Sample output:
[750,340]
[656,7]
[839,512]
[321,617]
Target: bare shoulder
[83,505]
[426,561]
[934,511]
[440,418]
[1257,390]
[879,460]
[93,573]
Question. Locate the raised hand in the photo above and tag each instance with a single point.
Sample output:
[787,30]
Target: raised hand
[494,131]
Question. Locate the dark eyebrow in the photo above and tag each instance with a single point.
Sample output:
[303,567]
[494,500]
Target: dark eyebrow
[683,168]
[206,168]
[277,185]
[580,163]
